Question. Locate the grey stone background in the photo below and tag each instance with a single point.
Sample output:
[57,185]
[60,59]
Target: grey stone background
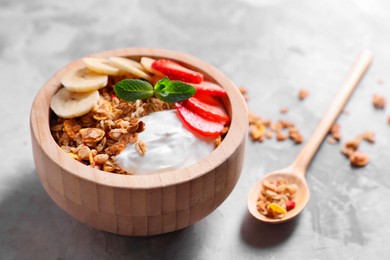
[273,48]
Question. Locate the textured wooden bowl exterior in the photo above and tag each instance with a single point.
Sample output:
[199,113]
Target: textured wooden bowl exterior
[148,204]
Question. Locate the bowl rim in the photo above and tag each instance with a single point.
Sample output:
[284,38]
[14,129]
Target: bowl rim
[39,124]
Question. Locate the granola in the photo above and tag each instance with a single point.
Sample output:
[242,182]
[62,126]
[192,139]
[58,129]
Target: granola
[378,101]
[303,93]
[93,125]
[97,137]
[283,110]
[276,198]
[259,129]
[350,149]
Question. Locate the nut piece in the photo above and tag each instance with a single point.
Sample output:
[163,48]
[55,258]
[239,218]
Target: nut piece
[335,132]
[359,158]
[91,135]
[347,151]
[256,132]
[350,149]
[141,147]
[295,135]
[369,136]
[353,144]
[217,141]
[71,128]
[244,92]
[332,140]
[283,110]
[303,93]
[379,101]
[280,136]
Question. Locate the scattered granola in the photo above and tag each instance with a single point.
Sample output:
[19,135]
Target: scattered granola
[350,149]
[335,135]
[276,198]
[358,158]
[303,93]
[283,110]
[369,136]
[379,101]
[244,92]
[259,129]
[280,136]
[331,140]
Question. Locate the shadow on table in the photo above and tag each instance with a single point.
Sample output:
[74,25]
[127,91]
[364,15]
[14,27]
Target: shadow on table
[261,235]
[32,226]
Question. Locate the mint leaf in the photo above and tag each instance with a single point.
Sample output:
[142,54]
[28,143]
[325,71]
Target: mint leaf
[133,89]
[173,91]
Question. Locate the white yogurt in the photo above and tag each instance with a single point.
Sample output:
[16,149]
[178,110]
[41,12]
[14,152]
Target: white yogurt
[170,145]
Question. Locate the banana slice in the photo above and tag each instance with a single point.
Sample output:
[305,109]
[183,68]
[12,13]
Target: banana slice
[147,64]
[68,104]
[130,66]
[83,80]
[101,65]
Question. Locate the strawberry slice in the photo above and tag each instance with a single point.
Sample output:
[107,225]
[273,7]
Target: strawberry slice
[197,123]
[175,71]
[290,205]
[208,107]
[209,88]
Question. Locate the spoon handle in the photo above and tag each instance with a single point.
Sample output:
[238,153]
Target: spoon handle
[360,66]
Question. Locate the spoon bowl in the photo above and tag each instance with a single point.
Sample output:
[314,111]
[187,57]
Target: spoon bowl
[301,197]
[295,174]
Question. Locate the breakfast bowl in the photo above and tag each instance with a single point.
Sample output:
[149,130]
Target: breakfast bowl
[140,205]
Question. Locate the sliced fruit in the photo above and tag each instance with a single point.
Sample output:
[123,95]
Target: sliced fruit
[290,205]
[68,104]
[208,107]
[101,65]
[275,209]
[84,80]
[147,62]
[197,123]
[209,88]
[175,71]
[130,66]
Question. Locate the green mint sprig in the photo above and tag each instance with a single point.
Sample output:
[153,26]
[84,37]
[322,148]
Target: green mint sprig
[165,89]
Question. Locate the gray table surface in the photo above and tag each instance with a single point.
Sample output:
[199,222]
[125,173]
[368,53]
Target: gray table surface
[271,47]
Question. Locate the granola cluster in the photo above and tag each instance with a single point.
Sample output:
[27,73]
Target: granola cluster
[259,129]
[378,101]
[98,136]
[335,135]
[302,94]
[276,198]
[350,149]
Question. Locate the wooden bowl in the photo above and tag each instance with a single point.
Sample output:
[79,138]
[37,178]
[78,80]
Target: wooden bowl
[145,204]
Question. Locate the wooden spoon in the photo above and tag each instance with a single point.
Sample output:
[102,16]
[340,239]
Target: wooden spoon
[295,173]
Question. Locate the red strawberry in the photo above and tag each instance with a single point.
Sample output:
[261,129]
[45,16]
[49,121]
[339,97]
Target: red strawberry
[198,123]
[208,107]
[175,71]
[290,205]
[209,88]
